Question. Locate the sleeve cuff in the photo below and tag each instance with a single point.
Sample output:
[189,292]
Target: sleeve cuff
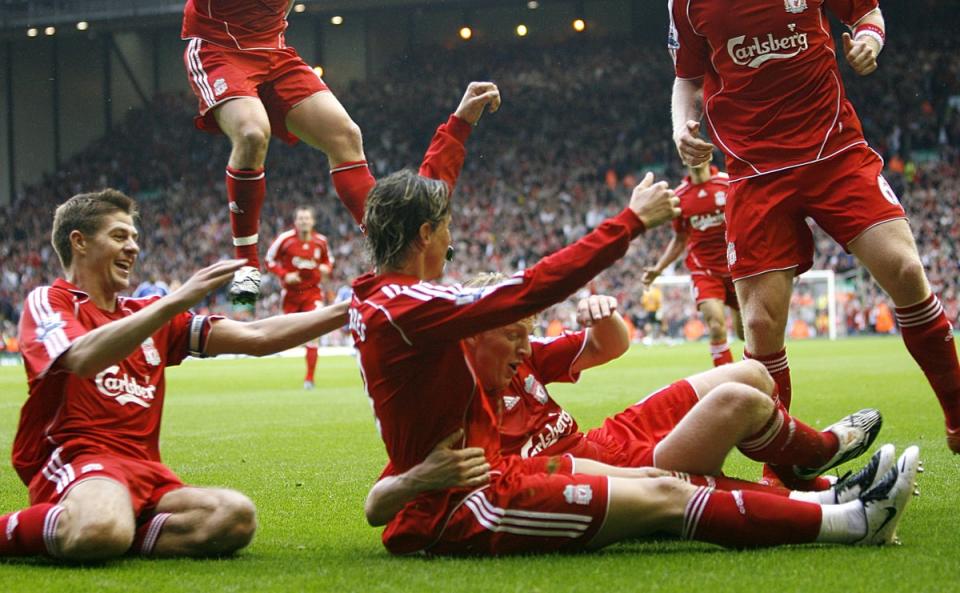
[632,221]
[459,128]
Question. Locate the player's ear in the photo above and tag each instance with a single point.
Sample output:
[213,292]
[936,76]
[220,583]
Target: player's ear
[78,243]
[426,231]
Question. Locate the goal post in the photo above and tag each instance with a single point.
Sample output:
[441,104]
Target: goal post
[813,305]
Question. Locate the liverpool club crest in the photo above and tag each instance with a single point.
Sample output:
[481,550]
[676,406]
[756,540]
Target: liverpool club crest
[795,6]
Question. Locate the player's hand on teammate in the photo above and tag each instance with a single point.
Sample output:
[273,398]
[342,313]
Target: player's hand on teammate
[649,275]
[478,97]
[861,53]
[291,278]
[654,203]
[594,308]
[204,282]
[693,149]
[449,467]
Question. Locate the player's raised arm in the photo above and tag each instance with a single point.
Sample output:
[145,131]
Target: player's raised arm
[274,334]
[862,48]
[607,338]
[445,467]
[111,343]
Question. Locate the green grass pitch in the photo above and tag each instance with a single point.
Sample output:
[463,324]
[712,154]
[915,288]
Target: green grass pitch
[307,459]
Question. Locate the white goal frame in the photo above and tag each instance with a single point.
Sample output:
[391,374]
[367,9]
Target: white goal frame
[829,275]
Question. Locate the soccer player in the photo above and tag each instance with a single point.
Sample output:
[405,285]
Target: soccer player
[301,259]
[87,441]
[701,230]
[250,85]
[423,385]
[689,426]
[775,104]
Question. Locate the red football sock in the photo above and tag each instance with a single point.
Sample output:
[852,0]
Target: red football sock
[929,338]
[29,532]
[749,519]
[779,369]
[729,484]
[246,190]
[784,440]
[720,351]
[145,539]
[311,362]
[353,183]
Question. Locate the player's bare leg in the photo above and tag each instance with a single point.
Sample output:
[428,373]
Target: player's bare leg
[740,519]
[765,304]
[97,521]
[737,321]
[889,252]
[203,522]
[716,321]
[244,120]
[323,123]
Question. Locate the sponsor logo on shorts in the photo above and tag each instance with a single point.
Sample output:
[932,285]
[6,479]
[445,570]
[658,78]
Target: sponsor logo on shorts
[887,191]
[580,494]
[756,51]
[795,6]
[219,86]
[123,388]
[731,254]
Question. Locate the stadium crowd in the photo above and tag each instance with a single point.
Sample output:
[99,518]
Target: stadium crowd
[581,122]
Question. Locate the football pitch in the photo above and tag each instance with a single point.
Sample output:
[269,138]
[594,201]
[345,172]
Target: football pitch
[307,459]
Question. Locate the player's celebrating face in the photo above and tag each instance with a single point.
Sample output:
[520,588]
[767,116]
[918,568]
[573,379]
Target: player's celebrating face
[500,352]
[110,253]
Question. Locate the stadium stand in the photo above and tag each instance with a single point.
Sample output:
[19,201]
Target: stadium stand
[582,121]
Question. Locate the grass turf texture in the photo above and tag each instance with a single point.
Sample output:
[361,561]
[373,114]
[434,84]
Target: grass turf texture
[307,459]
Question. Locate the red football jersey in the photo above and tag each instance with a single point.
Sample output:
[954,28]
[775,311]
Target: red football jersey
[701,217]
[531,422]
[772,93]
[117,411]
[289,253]
[237,24]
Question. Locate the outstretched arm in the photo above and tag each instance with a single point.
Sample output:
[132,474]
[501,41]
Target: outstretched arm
[608,337]
[274,334]
[111,343]
[674,250]
[445,467]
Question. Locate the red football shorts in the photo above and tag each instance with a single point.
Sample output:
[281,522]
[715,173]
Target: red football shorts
[147,481]
[302,301]
[278,77]
[525,510]
[630,438]
[709,286]
[766,227]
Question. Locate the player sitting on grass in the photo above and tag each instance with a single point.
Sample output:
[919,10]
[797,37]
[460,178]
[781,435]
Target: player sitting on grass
[87,441]
[689,426]
[423,384]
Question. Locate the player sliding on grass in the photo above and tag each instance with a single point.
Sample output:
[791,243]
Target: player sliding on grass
[87,441]
[423,386]
[701,230]
[689,426]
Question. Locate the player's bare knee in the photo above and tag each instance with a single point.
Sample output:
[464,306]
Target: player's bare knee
[346,142]
[233,524]
[250,143]
[755,374]
[94,538]
[741,402]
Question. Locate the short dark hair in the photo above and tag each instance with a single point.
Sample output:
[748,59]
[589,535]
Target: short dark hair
[396,208]
[85,213]
[306,208]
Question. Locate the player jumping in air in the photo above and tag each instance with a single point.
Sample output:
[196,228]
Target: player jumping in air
[250,85]
[701,230]
[775,105]
[301,259]
[689,426]
[87,442]
[424,387]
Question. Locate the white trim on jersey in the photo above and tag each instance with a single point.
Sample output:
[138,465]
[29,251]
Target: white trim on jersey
[55,341]
[383,310]
[274,248]
[836,116]
[583,346]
